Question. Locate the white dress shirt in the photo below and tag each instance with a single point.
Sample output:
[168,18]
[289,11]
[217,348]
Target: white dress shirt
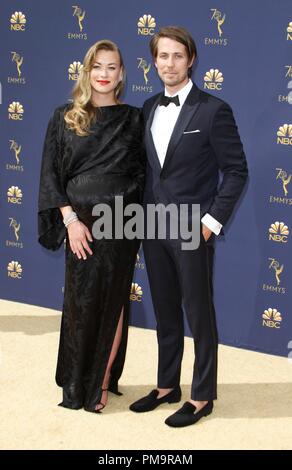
[164,120]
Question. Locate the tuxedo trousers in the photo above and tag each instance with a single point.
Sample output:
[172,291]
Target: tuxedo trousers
[181,281]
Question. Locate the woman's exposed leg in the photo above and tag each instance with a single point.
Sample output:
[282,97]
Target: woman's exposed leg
[114,350]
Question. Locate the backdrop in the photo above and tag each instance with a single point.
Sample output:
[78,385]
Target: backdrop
[245,58]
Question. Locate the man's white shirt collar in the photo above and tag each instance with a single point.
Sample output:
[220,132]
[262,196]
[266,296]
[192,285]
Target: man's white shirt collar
[183,93]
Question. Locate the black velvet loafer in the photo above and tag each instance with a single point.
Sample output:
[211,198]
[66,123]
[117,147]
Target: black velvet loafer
[150,402]
[187,415]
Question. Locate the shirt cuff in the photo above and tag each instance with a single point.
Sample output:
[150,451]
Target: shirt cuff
[212,223]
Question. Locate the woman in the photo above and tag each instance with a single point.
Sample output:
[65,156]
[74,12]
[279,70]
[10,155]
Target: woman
[92,153]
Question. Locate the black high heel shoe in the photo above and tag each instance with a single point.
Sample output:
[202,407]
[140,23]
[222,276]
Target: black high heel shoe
[100,403]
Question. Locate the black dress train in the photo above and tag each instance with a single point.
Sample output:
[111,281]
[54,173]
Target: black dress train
[81,172]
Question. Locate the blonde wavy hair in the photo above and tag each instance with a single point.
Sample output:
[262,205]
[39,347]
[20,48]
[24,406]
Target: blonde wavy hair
[82,114]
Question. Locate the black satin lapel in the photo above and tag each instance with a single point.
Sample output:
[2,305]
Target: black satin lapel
[186,114]
[151,150]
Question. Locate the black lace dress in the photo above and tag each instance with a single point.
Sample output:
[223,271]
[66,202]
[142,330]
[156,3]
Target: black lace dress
[81,172]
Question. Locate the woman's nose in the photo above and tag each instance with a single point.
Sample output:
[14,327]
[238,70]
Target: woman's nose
[103,72]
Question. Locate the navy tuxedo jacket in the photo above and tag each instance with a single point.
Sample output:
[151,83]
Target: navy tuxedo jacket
[194,160]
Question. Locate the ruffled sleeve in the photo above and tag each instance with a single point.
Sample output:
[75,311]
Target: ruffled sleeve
[52,193]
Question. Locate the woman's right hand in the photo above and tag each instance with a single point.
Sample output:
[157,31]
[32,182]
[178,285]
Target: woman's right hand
[78,235]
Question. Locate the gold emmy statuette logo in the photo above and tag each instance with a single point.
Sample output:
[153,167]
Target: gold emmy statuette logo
[219,40]
[289,71]
[18,61]
[17,21]
[217,16]
[278,232]
[74,70]
[287,98]
[145,67]
[283,176]
[272,318]
[15,226]
[139,264]
[274,264]
[80,16]
[213,80]
[15,111]
[145,87]
[16,149]
[14,270]
[136,292]
[14,195]
[146,25]
[289,31]
[284,134]
[278,268]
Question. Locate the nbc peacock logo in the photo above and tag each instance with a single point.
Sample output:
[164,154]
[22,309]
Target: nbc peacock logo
[14,194]
[289,31]
[284,134]
[74,70]
[278,232]
[14,270]
[17,21]
[271,318]
[15,111]
[146,25]
[136,292]
[213,80]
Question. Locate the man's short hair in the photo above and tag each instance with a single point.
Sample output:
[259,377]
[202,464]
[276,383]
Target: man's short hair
[177,33]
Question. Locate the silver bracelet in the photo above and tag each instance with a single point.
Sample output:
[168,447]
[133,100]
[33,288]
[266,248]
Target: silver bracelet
[69,218]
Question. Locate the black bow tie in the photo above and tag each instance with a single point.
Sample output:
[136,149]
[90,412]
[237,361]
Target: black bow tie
[165,100]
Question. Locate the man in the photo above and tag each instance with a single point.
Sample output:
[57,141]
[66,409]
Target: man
[190,137]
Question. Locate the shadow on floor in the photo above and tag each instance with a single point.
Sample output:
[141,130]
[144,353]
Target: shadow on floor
[30,325]
[254,400]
